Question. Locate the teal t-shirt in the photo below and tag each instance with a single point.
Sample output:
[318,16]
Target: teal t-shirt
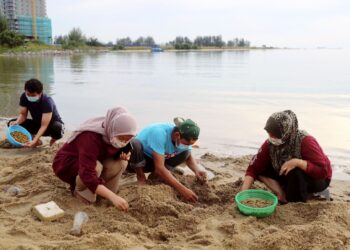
[157,138]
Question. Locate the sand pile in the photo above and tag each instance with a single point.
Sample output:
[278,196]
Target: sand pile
[158,218]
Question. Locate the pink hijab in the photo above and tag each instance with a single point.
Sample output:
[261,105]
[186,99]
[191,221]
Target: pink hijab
[118,121]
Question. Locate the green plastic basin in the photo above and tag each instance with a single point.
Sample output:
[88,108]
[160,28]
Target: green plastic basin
[259,194]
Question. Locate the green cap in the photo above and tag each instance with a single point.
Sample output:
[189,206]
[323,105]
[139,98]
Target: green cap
[187,128]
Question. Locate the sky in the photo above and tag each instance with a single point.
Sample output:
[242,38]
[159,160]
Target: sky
[280,23]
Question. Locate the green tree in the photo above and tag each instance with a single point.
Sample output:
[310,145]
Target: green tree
[11,39]
[238,42]
[124,42]
[76,37]
[139,41]
[149,41]
[61,40]
[92,41]
[218,42]
[3,23]
[144,41]
[183,43]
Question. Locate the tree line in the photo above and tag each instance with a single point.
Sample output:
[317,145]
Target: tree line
[207,41]
[9,38]
[76,38]
[181,42]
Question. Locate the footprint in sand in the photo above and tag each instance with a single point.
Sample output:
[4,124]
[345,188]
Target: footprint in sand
[18,233]
[5,171]
[40,196]
[20,208]
[198,239]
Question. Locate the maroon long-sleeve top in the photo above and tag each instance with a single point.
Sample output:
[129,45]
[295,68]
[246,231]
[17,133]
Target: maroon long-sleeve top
[318,164]
[79,157]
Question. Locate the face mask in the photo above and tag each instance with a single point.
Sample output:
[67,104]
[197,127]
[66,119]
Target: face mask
[33,98]
[275,141]
[182,146]
[117,143]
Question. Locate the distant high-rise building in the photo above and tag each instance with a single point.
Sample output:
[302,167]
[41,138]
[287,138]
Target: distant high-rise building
[29,18]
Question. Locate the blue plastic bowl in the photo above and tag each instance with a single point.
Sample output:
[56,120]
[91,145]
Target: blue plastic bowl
[17,128]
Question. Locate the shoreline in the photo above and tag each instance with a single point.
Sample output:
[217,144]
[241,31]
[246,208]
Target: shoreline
[57,52]
[341,175]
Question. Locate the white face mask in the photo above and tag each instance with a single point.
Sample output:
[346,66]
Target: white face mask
[275,141]
[118,143]
[33,98]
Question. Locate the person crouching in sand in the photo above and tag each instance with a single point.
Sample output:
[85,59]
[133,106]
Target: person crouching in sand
[161,147]
[291,163]
[45,121]
[86,161]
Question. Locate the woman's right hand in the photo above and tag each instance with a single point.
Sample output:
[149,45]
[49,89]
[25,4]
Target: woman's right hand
[116,200]
[13,123]
[120,203]
[189,195]
[247,182]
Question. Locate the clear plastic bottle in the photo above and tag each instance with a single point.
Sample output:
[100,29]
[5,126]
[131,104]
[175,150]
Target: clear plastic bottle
[12,190]
[80,218]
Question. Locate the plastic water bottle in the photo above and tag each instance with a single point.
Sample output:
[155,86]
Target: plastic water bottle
[12,190]
[80,218]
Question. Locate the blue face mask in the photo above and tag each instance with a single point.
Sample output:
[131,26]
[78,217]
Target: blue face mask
[33,98]
[181,146]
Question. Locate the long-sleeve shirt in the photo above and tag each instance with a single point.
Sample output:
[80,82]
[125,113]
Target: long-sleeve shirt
[318,164]
[80,157]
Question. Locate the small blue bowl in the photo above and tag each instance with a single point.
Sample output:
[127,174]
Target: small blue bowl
[17,128]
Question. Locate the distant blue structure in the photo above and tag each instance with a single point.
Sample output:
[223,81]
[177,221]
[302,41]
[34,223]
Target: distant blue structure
[29,18]
[156,49]
[43,28]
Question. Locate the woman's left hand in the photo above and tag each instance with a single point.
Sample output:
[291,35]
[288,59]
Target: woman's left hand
[125,156]
[201,176]
[32,144]
[288,166]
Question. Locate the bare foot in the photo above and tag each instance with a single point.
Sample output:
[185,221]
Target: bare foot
[141,182]
[140,175]
[282,199]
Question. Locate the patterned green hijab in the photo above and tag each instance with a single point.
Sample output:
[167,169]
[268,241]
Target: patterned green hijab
[284,125]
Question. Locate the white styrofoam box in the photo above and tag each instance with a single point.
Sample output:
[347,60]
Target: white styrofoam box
[48,211]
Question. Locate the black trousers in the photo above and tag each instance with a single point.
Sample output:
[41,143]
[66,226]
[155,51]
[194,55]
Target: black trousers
[55,128]
[297,184]
[139,159]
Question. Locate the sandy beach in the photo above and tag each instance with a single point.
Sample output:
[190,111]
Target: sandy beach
[158,218]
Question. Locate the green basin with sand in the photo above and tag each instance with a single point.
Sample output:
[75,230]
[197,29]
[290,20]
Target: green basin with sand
[260,194]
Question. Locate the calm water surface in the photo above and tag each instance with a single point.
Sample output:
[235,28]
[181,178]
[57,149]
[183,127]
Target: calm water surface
[229,94]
